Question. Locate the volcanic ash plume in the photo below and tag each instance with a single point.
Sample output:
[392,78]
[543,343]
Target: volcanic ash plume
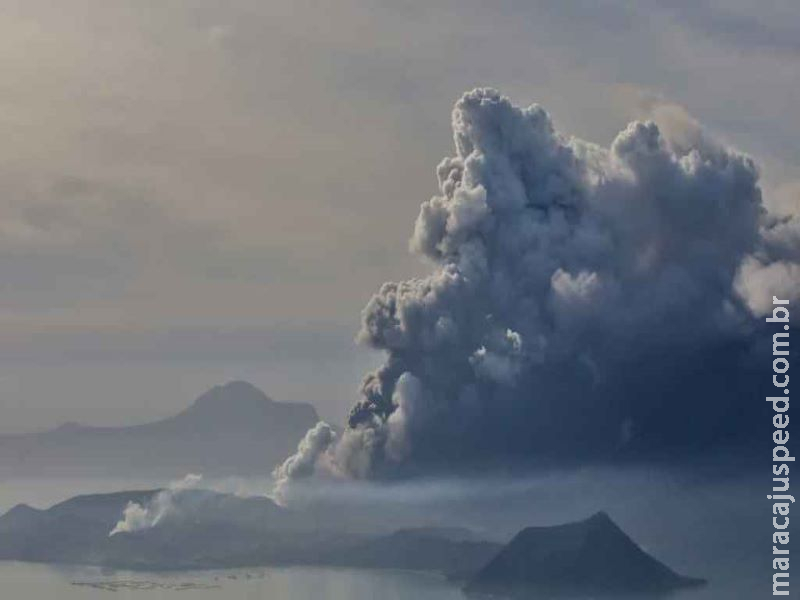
[302,464]
[578,298]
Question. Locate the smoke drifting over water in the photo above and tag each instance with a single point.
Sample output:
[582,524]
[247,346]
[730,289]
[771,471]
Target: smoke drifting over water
[584,302]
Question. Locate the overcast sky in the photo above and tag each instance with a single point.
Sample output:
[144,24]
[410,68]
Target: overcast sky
[194,191]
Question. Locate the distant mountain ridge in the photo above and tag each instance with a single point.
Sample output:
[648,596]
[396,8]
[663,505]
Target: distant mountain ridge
[231,429]
[208,529]
[205,529]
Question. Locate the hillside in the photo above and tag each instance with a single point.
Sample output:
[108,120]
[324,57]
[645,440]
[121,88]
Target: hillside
[231,429]
[205,529]
[593,556]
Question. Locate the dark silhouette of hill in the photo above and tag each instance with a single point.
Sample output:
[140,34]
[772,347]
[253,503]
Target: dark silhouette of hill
[231,429]
[206,529]
[593,557]
[66,532]
[202,529]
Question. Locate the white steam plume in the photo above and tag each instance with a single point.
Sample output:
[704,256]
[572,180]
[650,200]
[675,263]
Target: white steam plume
[137,517]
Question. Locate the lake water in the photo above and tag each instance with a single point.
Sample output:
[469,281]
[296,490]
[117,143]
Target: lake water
[732,549]
[27,581]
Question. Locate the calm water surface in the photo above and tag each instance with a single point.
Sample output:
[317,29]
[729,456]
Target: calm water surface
[24,581]
[730,579]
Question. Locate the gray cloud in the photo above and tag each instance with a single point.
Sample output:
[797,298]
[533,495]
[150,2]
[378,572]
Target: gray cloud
[234,159]
[574,290]
[740,25]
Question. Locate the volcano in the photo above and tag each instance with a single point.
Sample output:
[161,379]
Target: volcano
[593,557]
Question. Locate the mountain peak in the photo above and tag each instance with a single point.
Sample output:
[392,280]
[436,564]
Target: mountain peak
[232,397]
[22,509]
[589,556]
[233,391]
[240,407]
[600,517]
[233,428]
[601,521]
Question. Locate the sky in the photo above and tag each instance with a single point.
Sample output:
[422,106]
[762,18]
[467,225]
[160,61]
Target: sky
[196,191]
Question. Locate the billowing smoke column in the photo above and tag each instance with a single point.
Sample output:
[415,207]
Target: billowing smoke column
[310,451]
[583,301]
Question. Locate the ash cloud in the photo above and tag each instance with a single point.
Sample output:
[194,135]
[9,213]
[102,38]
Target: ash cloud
[583,302]
[303,463]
